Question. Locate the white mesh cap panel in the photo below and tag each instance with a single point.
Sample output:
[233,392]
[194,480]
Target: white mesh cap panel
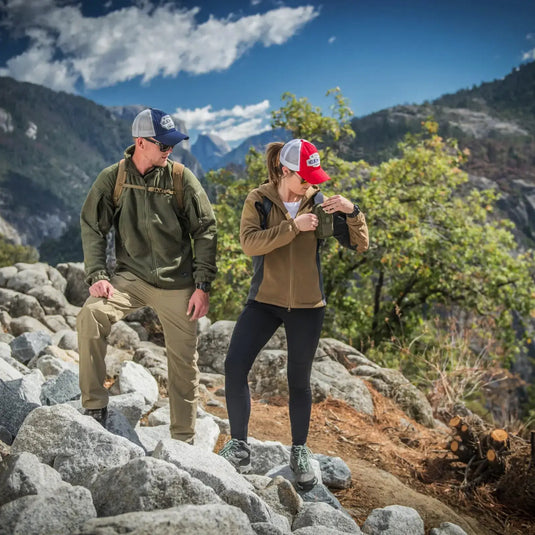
[290,154]
[143,125]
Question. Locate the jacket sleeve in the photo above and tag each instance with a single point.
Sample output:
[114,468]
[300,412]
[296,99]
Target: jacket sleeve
[256,241]
[96,219]
[202,228]
[358,232]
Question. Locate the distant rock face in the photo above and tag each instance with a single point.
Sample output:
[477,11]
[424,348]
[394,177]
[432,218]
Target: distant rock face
[475,124]
[258,141]
[209,149]
[30,228]
[6,121]
[478,124]
[9,231]
[31,131]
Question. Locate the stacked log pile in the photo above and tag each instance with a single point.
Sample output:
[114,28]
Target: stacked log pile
[493,455]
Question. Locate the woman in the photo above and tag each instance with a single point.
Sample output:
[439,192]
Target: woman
[286,288]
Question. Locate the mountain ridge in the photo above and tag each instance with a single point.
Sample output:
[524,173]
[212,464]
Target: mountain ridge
[54,144]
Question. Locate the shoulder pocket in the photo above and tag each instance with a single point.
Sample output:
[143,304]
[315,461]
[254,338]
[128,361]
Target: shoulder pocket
[325,222]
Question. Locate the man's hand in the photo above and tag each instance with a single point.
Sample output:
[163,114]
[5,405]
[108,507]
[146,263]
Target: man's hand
[198,305]
[101,288]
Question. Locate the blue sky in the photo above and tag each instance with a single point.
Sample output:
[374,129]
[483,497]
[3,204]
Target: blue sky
[223,66]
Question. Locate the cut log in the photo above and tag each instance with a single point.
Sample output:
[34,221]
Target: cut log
[455,421]
[463,453]
[500,436]
[496,462]
[497,440]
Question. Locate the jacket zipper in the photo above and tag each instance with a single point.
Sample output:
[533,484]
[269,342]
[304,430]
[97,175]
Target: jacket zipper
[291,265]
[291,277]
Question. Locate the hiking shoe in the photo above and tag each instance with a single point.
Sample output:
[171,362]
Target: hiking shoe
[238,454]
[300,457]
[99,415]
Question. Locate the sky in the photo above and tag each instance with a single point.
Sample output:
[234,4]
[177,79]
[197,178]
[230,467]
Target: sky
[222,66]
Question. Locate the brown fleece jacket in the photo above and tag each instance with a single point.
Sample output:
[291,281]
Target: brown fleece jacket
[286,262]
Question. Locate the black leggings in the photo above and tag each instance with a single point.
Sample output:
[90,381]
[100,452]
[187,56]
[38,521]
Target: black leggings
[255,326]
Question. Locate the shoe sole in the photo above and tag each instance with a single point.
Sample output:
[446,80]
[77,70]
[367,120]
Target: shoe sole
[241,468]
[244,469]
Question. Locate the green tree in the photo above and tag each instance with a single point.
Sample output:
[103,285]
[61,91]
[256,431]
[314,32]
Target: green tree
[11,253]
[435,247]
[234,267]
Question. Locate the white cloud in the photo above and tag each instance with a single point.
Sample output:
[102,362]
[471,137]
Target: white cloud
[231,124]
[38,66]
[143,40]
[528,56]
[332,40]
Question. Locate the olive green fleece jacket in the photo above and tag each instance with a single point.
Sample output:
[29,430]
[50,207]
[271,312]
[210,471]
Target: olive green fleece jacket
[286,263]
[150,240]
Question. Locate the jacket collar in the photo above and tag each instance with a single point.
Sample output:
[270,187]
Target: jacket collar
[155,171]
[269,190]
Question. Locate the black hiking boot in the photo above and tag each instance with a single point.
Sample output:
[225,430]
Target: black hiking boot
[99,415]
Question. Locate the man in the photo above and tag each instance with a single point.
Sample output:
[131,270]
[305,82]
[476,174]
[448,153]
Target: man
[165,260]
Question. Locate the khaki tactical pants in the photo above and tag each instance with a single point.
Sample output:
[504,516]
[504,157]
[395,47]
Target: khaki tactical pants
[94,324]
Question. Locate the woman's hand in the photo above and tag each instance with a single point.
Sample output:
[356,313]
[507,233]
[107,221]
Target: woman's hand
[337,203]
[305,222]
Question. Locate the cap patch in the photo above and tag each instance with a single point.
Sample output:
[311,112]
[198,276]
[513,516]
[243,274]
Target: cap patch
[314,160]
[167,123]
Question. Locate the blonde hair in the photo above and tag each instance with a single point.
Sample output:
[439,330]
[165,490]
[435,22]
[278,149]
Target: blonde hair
[273,162]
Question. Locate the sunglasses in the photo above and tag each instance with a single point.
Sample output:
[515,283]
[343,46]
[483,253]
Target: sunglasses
[303,181]
[163,148]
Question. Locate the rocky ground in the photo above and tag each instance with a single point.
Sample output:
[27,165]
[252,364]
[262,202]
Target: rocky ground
[369,420]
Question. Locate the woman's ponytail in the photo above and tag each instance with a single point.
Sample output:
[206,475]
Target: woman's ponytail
[273,162]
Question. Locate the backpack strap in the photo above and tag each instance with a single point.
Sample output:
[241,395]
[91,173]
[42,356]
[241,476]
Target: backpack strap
[318,197]
[119,182]
[178,184]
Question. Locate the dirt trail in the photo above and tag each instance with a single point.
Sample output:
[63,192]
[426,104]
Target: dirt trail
[393,460]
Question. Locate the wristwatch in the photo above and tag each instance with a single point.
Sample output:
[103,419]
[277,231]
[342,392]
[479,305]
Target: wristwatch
[204,286]
[355,212]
